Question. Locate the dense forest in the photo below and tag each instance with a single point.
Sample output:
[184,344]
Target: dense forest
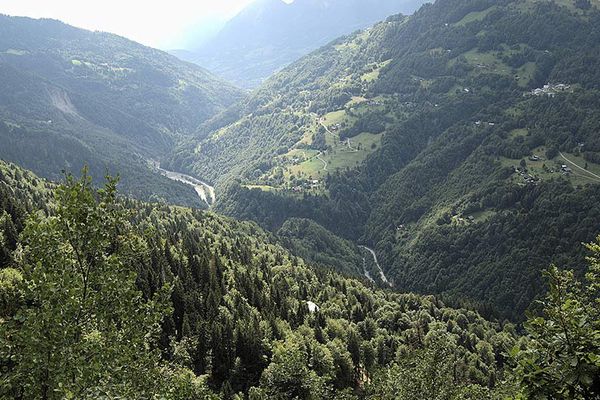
[198,306]
[409,212]
[461,143]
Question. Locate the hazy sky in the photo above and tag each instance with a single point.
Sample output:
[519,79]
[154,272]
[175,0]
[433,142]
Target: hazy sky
[158,23]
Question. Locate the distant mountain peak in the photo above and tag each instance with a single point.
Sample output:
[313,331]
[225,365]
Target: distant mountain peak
[267,35]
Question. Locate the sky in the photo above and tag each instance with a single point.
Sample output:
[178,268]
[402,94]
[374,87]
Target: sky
[158,23]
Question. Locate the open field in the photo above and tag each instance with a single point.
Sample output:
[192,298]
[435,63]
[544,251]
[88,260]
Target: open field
[544,169]
[475,16]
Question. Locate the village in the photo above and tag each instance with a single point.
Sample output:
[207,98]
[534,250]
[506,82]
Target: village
[309,184]
[550,90]
[530,179]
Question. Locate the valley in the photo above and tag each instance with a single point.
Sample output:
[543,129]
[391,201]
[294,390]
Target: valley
[380,270]
[204,190]
[406,212]
[72,98]
[405,137]
[282,32]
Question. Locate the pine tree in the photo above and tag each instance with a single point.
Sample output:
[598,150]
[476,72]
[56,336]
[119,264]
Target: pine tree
[83,330]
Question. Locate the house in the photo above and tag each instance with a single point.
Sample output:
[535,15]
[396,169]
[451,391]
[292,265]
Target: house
[312,307]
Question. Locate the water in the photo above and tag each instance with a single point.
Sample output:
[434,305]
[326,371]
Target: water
[203,189]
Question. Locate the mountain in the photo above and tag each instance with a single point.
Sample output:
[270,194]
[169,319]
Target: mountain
[70,97]
[269,34]
[193,305]
[241,309]
[460,143]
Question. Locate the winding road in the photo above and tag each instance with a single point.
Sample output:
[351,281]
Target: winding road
[323,161]
[350,146]
[326,128]
[577,166]
[381,273]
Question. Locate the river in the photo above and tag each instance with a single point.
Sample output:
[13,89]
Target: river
[203,189]
[381,273]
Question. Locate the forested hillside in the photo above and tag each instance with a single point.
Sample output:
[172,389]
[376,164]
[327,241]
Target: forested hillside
[103,296]
[70,97]
[243,312]
[461,143]
[268,35]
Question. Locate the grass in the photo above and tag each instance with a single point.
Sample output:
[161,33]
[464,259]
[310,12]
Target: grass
[370,76]
[335,117]
[374,75]
[518,133]
[306,137]
[535,168]
[356,100]
[482,216]
[309,169]
[487,62]
[264,188]
[474,16]
[527,5]
[343,157]
[553,168]
[301,153]
[526,74]
[581,176]
[308,164]
[339,157]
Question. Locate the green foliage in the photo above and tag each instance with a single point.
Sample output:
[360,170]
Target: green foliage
[443,199]
[317,245]
[318,141]
[428,374]
[82,328]
[70,97]
[11,297]
[288,375]
[240,318]
[562,358]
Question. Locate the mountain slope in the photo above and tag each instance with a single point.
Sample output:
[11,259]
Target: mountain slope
[71,97]
[461,143]
[269,34]
[245,311]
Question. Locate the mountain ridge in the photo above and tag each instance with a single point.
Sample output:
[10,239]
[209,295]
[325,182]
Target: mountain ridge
[282,33]
[448,124]
[111,104]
